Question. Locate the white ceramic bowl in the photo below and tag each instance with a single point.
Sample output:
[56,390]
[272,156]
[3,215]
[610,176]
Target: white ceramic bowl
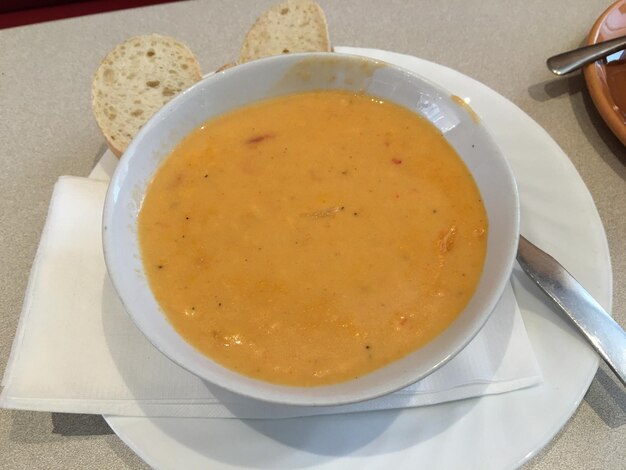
[277,76]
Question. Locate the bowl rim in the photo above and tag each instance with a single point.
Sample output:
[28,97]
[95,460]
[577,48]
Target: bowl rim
[289,398]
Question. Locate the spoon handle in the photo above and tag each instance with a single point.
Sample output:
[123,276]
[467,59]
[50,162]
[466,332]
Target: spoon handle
[567,62]
[604,334]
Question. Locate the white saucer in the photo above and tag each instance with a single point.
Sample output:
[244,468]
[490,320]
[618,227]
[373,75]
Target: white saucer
[498,431]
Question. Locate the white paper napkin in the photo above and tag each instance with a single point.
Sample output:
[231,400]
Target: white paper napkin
[76,349]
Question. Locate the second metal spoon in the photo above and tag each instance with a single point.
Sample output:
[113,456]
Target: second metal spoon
[567,62]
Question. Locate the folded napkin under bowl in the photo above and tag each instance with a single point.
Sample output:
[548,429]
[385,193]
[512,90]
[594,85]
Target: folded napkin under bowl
[77,351]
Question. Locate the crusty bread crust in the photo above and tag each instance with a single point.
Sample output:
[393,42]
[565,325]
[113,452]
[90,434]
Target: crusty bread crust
[135,80]
[225,67]
[290,26]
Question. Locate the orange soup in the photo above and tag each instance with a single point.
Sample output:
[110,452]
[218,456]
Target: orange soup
[313,238]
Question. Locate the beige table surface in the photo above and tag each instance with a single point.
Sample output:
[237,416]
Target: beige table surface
[46,130]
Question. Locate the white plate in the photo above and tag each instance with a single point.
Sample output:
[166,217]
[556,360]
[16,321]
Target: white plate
[498,431]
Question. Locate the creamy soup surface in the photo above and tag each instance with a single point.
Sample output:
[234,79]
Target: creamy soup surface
[311,239]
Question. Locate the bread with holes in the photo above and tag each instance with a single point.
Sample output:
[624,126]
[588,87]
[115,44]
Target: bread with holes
[135,80]
[290,26]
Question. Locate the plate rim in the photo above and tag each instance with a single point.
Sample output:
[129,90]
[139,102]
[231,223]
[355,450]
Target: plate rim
[595,78]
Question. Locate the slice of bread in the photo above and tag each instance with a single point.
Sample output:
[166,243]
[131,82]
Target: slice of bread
[225,67]
[290,26]
[135,80]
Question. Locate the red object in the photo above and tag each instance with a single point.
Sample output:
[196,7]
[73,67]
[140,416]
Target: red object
[19,13]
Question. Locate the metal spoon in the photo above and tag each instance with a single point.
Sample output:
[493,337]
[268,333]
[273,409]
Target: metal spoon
[604,334]
[567,62]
